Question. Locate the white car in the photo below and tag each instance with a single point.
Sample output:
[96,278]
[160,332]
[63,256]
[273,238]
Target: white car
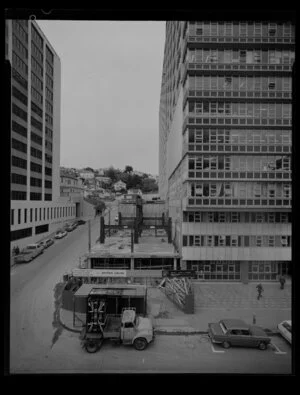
[285,329]
[60,234]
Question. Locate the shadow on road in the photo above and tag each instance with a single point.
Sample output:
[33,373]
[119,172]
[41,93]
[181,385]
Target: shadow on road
[58,289]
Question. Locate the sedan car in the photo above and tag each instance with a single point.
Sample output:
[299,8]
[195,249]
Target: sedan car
[285,329]
[81,222]
[60,234]
[29,253]
[235,332]
[47,243]
[71,227]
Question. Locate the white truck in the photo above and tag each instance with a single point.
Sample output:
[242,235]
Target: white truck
[126,328]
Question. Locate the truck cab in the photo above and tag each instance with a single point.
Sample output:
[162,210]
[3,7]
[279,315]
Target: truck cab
[135,330]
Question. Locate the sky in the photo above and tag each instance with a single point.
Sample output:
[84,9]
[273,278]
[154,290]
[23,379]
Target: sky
[110,91]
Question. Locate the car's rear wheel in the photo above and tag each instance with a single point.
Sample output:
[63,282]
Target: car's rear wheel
[226,344]
[140,343]
[262,346]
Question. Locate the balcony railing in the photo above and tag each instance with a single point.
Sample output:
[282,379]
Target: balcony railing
[237,202]
[237,148]
[229,119]
[192,38]
[265,68]
[208,93]
[239,175]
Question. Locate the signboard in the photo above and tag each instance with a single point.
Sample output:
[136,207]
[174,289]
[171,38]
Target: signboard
[181,273]
[98,273]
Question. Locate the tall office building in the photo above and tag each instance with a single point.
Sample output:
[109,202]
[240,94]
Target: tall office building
[225,131]
[36,206]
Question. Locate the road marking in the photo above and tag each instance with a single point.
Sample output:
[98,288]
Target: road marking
[278,350]
[213,350]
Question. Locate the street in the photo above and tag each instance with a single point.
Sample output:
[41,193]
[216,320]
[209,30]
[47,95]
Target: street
[38,344]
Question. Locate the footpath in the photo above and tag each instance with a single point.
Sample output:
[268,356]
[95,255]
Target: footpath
[213,301]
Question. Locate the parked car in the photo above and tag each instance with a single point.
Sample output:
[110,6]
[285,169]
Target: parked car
[71,227]
[60,234]
[235,332]
[81,222]
[47,243]
[285,329]
[29,253]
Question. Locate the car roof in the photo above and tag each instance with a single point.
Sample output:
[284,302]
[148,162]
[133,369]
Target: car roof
[234,323]
[288,322]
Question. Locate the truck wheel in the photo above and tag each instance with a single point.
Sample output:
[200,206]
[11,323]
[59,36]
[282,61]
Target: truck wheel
[140,343]
[262,346]
[91,347]
[226,344]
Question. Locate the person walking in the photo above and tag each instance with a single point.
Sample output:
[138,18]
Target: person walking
[260,290]
[282,281]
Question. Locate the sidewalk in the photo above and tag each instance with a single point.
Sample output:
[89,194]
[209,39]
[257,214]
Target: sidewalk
[213,301]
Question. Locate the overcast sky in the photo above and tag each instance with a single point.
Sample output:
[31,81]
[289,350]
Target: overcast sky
[110,90]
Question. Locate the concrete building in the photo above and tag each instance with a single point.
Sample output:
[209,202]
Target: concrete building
[36,206]
[87,175]
[119,186]
[225,132]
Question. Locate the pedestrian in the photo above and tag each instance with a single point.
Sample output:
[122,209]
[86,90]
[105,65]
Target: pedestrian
[282,281]
[260,290]
[17,250]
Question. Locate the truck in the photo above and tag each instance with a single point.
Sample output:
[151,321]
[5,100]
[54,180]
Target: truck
[126,328]
[29,253]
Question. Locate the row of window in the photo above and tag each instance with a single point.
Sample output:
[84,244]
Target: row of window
[237,29]
[19,95]
[239,136]
[240,56]
[36,138]
[208,119]
[257,110]
[36,182]
[236,217]
[35,167]
[49,94]
[45,214]
[17,44]
[18,28]
[18,63]
[18,162]
[36,66]
[49,81]
[49,107]
[49,119]
[48,158]
[36,81]
[36,124]
[17,77]
[239,163]
[36,37]
[18,179]
[21,130]
[49,55]
[19,112]
[36,109]
[36,95]
[235,241]
[49,132]
[36,52]
[18,145]
[240,83]
[49,68]
[36,153]
[240,189]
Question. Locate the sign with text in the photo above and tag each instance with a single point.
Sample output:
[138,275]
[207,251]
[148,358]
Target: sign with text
[98,273]
[181,273]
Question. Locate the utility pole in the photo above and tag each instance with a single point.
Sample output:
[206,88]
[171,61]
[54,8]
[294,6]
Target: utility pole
[89,235]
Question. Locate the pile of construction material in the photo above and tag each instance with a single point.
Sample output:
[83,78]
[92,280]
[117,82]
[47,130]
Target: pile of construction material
[178,289]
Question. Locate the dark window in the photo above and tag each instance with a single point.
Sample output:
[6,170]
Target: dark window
[12,213]
[18,179]
[44,214]
[35,182]
[20,96]
[48,171]
[31,214]
[36,109]
[36,124]
[48,158]
[48,184]
[17,77]
[35,196]
[35,167]
[25,215]
[40,216]
[20,234]
[41,229]
[48,196]
[36,138]
[19,162]
[18,145]
[21,130]
[36,153]
[36,216]
[19,216]
[19,112]
[18,195]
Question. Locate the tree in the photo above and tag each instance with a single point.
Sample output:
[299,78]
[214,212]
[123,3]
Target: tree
[149,185]
[89,169]
[128,169]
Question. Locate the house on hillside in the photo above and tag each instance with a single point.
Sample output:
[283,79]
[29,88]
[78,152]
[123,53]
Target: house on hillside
[119,185]
[134,191]
[86,174]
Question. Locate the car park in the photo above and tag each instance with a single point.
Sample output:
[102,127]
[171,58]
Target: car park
[235,332]
[47,243]
[60,234]
[285,329]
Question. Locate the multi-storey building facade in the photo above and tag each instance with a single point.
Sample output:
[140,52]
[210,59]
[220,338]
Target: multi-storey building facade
[36,206]
[225,146]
